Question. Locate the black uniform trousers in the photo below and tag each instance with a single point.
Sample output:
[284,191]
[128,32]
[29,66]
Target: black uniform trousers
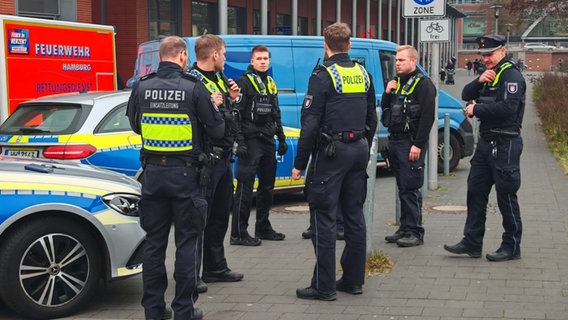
[171,194]
[336,185]
[409,179]
[494,163]
[261,161]
[220,200]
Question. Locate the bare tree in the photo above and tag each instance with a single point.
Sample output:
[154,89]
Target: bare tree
[531,8]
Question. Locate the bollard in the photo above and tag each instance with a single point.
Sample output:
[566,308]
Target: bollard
[446,144]
[369,205]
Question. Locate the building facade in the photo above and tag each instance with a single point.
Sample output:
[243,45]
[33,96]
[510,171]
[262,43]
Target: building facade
[137,21]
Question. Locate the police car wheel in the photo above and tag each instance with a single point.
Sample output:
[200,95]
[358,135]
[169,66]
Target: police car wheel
[49,268]
[455,152]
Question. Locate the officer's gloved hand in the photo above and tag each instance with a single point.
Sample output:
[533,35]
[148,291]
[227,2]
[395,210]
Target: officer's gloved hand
[282,147]
[242,151]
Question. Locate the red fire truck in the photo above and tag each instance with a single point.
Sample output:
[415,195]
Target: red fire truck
[41,57]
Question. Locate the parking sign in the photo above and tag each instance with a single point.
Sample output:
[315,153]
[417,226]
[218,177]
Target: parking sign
[424,8]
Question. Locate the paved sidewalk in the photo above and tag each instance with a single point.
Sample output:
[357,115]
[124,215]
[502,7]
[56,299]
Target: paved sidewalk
[426,282]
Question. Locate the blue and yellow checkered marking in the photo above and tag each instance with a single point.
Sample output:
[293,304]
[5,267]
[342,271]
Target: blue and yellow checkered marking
[164,120]
[168,143]
[336,78]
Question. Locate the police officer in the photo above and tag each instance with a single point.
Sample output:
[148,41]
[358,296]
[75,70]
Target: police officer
[497,99]
[338,122]
[261,121]
[173,113]
[409,112]
[210,53]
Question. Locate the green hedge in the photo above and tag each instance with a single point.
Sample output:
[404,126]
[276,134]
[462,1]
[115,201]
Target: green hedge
[550,95]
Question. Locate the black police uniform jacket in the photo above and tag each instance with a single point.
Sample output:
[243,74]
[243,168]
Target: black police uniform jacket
[320,91]
[249,128]
[172,91]
[424,95]
[227,110]
[501,104]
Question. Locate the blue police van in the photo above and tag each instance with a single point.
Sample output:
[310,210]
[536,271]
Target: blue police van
[292,60]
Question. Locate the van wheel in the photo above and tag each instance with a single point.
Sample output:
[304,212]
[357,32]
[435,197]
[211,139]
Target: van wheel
[455,152]
[49,268]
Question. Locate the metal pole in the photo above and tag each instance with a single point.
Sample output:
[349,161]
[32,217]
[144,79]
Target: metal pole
[446,144]
[389,38]
[398,14]
[103,11]
[338,10]
[318,18]
[369,205]
[367,18]
[354,19]
[496,7]
[380,20]
[264,17]
[294,25]
[222,16]
[433,140]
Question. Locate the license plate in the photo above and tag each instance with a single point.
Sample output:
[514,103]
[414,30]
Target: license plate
[22,153]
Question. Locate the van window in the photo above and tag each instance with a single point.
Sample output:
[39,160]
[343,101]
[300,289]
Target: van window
[359,60]
[148,58]
[388,65]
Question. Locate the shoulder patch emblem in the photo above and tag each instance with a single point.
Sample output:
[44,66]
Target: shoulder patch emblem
[512,87]
[239,98]
[308,101]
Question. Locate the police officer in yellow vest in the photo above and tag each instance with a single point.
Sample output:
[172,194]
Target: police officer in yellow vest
[338,123]
[210,52]
[409,112]
[497,99]
[173,112]
[261,122]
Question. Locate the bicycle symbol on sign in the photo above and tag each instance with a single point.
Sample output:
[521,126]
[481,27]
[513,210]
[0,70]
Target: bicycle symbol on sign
[434,26]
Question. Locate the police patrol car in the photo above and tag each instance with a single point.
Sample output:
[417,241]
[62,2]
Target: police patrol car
[63,227]
[92,128]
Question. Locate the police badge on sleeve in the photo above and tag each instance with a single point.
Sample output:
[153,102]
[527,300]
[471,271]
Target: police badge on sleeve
[308,101]
[512,87]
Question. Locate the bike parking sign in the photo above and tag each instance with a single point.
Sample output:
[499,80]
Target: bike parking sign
[424,8]
[435,30]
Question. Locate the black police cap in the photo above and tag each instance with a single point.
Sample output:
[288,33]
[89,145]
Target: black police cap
[490,43]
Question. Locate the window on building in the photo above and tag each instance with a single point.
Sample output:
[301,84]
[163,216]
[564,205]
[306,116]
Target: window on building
[302,26]
[204,18]
[48,9]
[283,24]
[256,23]
[164,18]
[237,20]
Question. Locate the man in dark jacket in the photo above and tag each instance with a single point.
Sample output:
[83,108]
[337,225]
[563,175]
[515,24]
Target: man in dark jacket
[409,112]
[497,99]
[173,112]
[210,53]
[338,123]
[261,121]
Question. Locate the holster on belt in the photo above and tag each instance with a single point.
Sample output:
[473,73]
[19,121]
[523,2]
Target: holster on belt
[328,144]
[205,165]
